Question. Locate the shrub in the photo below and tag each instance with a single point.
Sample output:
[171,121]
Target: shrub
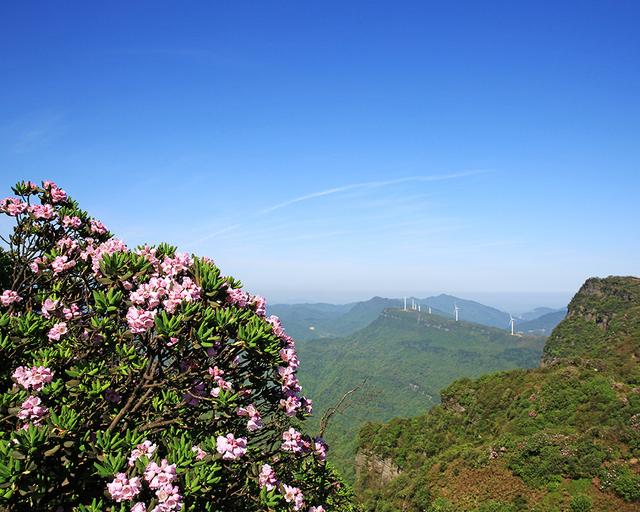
[142,379]
[581,503]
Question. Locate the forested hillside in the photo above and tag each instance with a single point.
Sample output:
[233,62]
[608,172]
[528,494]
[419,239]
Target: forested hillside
[562,437]
[405,357]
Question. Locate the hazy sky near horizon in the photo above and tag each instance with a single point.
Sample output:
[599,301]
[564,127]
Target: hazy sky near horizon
[338,150]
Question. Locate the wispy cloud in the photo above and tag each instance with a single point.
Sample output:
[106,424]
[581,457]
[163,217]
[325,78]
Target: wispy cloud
[369,184]
[216,233]
[37,131]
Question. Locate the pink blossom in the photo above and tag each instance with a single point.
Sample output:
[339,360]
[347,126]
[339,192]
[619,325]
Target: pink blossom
[62,263]
[320,449]
[67,244]
[139,507]
[255,420]
[121,488]
[57,194]
[32,410]
[71,222]
[169,498]
[291,404]
[289,355]
[238,297]
[140,320]
[71,312]
[57,330]
[146,448]
[160,476]
[200,453]
[48,306]
[292,441]
[42,211]
[35,265]
[97,227]
[231,448]
[261,305]
[111,246]
[267,477]
[319,508]
[35,377]
[9,297]
[293,495]
[12,206]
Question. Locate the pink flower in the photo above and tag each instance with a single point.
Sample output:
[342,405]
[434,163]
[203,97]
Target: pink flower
[71,222]
[42,211]
[35,265]
[97,227]
[293,495]
[255,420]
[238,297]
[319,508]
[140,320]
[71,312]
[9,297]
[32,410]
[169,498]
[146,448]
[291,405]
[62,263]
[48,306]
[267,477]
[121,488]
[320,449]
[200,453]
[139,507]
[57,330]
[35,377]
[12,206]
[231,448]
[292,441]
[160,476]
[57,194]
[260,304]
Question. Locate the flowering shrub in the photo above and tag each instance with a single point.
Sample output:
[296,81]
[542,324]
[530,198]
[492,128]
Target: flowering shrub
[143,379]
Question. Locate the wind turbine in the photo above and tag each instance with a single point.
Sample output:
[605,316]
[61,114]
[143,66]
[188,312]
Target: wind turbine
[429,309]
[456,308]
[512,322]
[405,303]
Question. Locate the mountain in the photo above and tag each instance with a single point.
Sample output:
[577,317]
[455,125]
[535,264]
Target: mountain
[537,313]
[469,310]
[321,320]
[542,325]
[405,357]
[562,437]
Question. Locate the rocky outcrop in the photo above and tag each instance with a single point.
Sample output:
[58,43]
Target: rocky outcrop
[376,471]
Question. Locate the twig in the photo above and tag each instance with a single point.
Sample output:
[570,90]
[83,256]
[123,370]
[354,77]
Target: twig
[332,410]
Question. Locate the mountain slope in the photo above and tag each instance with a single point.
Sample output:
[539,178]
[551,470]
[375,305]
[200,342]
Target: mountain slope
[470,311]
[562,437]
[405,357]
[542,325]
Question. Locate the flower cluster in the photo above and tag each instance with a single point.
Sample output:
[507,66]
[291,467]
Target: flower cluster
[144,342]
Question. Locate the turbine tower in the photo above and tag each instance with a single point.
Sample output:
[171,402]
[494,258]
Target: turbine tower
[429,309]
[512,322]
[405,303]
[456,308]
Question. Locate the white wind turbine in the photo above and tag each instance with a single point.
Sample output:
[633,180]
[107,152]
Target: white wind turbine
[405,303]
[456,308]
[512,322]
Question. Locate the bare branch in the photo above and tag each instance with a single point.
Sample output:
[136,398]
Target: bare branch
[332,410]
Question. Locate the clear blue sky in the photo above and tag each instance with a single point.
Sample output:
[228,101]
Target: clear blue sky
[297,143]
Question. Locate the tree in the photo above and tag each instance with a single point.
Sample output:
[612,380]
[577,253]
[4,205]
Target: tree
[143,379]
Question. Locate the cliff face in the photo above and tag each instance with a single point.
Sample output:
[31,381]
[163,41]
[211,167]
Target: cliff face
[602,324]
[551,438]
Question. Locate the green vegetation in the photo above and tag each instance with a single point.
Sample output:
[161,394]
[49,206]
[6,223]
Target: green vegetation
[562,437]
[405,357]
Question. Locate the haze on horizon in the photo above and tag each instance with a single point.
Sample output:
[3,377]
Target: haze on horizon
[338,151]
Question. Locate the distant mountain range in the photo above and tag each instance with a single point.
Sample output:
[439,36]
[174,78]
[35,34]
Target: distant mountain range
[405,358]
[561,437]
[321,320]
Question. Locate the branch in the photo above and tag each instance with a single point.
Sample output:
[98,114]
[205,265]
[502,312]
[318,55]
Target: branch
[332,410]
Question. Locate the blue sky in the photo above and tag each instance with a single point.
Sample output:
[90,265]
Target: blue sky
[339,150]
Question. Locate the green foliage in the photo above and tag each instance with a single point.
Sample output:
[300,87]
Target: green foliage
[405,358]
[581,503]
[553,428]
